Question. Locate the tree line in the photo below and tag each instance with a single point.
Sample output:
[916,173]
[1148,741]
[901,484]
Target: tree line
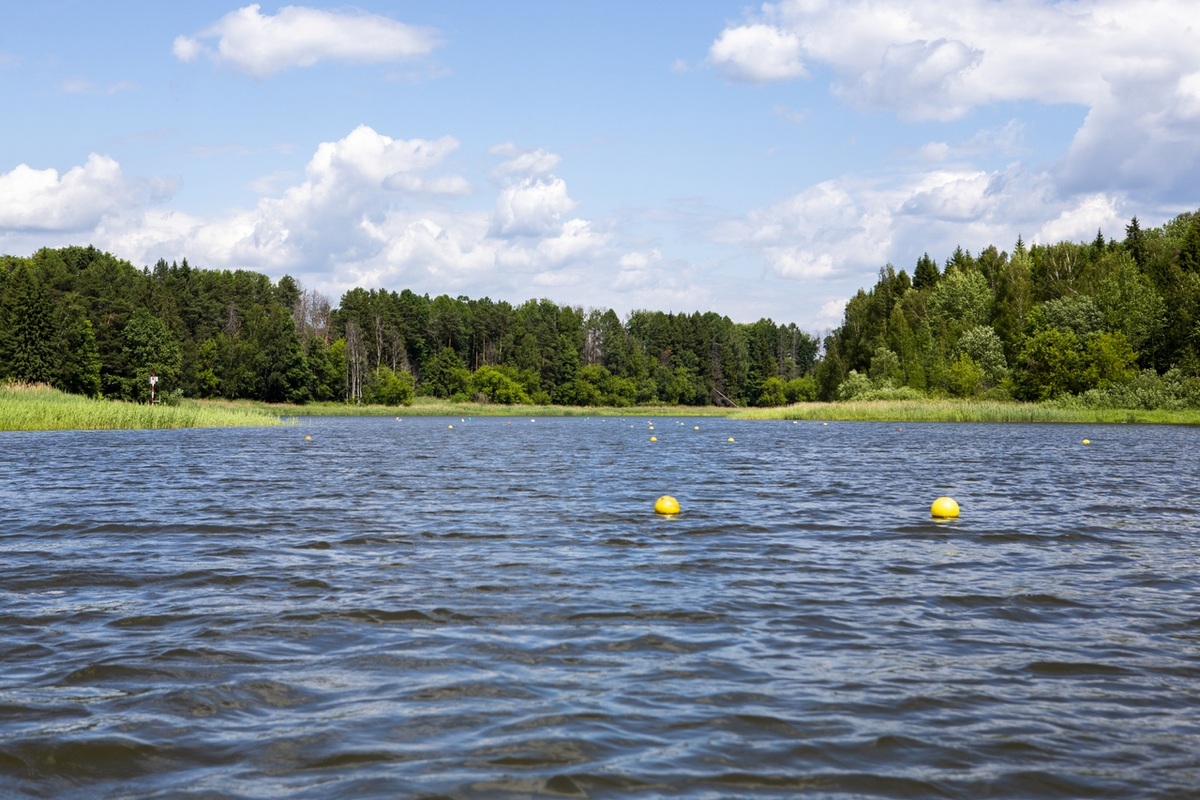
[88,322]
[1105,323]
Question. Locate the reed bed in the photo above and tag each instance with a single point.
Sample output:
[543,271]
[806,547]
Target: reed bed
[38,407]
[964,411]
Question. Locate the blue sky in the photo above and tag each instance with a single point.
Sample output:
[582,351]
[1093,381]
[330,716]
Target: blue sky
[753,160]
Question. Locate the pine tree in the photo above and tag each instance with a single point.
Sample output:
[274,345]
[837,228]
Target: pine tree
[926,273]
[27,329]
[1135,243]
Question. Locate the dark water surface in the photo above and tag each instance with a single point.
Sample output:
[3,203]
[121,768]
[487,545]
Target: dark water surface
[401,609]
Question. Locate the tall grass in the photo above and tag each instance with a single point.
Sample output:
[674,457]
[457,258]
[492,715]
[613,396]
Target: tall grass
[432,407]
[963,411]
[37,407]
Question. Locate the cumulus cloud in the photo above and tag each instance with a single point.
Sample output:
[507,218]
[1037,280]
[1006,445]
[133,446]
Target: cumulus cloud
[818,233]
[369,210]
[1133,64]
[41,200]
[843,230]
[531,207]
[263,45]
[758,54]
[1080,221]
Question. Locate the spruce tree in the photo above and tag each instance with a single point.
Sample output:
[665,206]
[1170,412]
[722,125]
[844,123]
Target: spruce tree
[1134,242]
[27,343]
[926,273]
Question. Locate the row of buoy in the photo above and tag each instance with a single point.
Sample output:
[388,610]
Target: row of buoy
[943,507]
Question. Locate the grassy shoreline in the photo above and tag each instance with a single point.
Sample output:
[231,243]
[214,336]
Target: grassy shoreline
[430,407]
[930,410]
[967,411]
[32,408]
[42,408]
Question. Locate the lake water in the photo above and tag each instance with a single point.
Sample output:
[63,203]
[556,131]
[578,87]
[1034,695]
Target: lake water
[404,609]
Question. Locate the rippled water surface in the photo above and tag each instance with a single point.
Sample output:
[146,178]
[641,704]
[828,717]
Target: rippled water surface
[404,609]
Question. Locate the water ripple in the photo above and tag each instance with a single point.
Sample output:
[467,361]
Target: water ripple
[403,609]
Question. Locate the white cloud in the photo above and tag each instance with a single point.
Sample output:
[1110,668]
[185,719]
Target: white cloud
[819,233]
[1081,221]
[757,54]
[370,210]
[1133,63]
[830,313]
[297,36]
[531,207]
[39,200]
[530,163]
[843,230]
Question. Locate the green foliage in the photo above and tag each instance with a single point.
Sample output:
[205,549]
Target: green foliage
[388,388]
[1129,303]
[774,392]
[27,351]
[855,386]
[150,349]
[1049,365]
[596,386]
[498,385]
[1078,314]
[801,390]
[926,274]
[962,300]
[1147,390]
[965,376]
[78,357]
[445,376]
[1110,361]
[885,368]
[983,346]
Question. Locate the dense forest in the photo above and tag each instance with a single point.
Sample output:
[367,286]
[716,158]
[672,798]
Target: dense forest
[1104,323]
[1107,323]
[87,322]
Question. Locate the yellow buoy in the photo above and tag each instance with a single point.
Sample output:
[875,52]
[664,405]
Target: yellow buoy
[1087,441]
[654,438]
[696,428]
[308,438]
[666,505]
[730,439]
[451,427]
[944,508]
